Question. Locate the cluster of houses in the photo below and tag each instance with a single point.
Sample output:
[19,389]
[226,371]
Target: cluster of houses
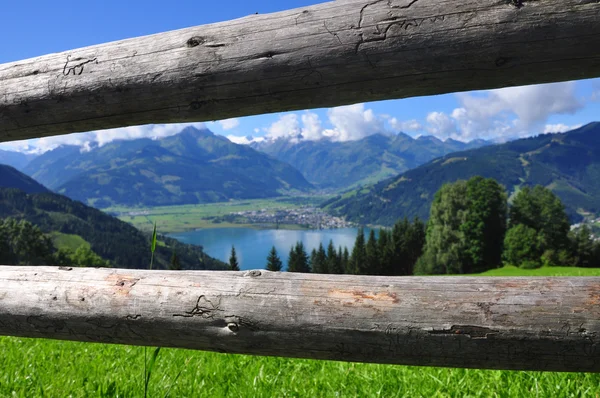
[309,217]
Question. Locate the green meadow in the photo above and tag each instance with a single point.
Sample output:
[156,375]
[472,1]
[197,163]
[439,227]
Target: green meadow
[49,368]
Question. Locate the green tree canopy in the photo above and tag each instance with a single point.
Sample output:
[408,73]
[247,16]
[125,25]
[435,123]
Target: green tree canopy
[522,247]
[85,257]
[540,209]
[466,228]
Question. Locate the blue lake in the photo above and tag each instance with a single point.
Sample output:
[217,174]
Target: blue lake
[252,245]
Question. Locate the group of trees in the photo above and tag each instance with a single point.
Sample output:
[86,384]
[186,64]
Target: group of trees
[539,233]
[393,252]
[471,229]
[22,243]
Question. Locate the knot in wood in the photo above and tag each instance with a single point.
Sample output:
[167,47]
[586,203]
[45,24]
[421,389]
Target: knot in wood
[195,41]
[254,273]
[234,327]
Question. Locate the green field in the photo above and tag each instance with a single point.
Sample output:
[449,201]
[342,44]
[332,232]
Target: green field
[509,270]
[170,219]
[67,241]
[36,368]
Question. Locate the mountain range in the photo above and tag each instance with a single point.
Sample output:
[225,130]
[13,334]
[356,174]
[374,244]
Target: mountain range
[17,160]
[341,165]
[567,163]
[68,220]
[194,166]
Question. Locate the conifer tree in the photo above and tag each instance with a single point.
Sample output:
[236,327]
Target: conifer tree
[292,261]
[386,252]
[314,266]
[273,261]
[372,256]
[233,261]
[346,261]
[298,260]
[398,244]
[174,264]
[334,263]
[359,255]
[321,260]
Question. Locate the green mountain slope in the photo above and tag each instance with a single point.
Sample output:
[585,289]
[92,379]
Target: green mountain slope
[194,166]
[114,240]
[70,222]
[12,178]
[568,164]
[330,164]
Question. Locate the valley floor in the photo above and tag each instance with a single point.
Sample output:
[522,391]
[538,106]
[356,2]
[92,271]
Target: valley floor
[36,367]
[172,219]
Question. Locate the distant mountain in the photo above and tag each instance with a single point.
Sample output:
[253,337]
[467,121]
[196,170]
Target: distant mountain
[12,178]
[194,166]
[112,239]
[17,160]
[568,164]
[337,165]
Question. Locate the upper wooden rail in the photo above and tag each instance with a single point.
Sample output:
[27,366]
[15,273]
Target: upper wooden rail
[474,322]
[330,54]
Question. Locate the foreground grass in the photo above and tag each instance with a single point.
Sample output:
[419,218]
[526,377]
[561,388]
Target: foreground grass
[509,270]
[34,367]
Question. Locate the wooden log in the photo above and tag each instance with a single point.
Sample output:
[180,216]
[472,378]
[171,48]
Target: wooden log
[473,322]
[330,54]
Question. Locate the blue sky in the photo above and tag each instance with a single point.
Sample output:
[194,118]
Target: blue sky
[39,27]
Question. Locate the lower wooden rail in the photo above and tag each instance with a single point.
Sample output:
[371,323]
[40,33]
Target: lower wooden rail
[473,322]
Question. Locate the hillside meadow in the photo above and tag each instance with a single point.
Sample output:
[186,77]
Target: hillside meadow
[48,368]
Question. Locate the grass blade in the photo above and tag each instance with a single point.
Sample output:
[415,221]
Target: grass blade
[149,367]
[153,246]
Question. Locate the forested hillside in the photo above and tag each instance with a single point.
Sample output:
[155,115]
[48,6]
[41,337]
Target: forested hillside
[114,240]
[12,178]
[568,164]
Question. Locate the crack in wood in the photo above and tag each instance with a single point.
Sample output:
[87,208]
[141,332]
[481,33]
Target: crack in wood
[474,332]
[77,69]
[204,308]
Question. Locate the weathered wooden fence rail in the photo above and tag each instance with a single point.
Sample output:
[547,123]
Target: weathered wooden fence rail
[334,53]
[494,323]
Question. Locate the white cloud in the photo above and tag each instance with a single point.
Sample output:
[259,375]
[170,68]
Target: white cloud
[229,124]
[353,122]
[347,123]
[440,125]
[405,126]
[287,126]
[559,128]
[244,140]
[512,111]
[99,137]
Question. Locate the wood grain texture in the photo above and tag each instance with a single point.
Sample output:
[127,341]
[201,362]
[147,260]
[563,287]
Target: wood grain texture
[330,54]
[474,322]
